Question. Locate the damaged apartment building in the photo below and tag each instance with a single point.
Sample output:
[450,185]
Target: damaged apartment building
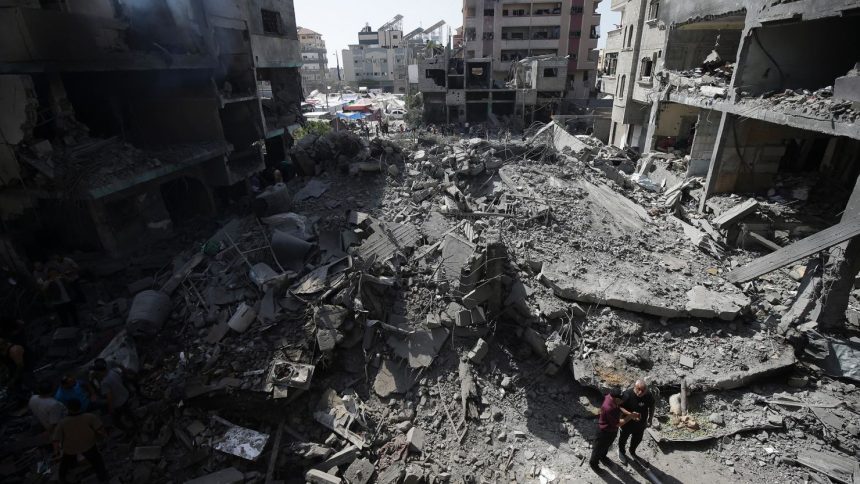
[525,60]
[759,99]
[122,119]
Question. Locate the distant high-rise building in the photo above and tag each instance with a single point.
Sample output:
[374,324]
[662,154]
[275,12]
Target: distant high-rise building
[506,32]
[315,73]
[379,59]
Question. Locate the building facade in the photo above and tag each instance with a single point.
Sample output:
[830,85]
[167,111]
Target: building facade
[122,121]
[508,31]
[759,98]
[315,70]
[379,59]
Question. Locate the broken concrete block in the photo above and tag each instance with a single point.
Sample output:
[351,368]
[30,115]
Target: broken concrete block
[535,341]
[687,361]
[420,347]
[326,339]
[150,452]
[392,474]
[433,321]
[231,475]
[316,476]
[717,419]
[414,474]
[359,472]
[345,456]
[415,438]
[557,349]
[392,378]
[705,303]
[449,315]
[477,316]
[464,318]
[479,351]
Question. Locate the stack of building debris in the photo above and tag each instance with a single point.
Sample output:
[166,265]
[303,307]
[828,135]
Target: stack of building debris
[422,333]
[819,104]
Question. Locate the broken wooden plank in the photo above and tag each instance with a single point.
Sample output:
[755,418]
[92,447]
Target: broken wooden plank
[814,243]
[764,242]
[180,275]
[837,467]
[276,448]
[735,214]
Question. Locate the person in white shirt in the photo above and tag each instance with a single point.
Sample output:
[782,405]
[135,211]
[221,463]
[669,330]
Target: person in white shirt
[111,387]
[47,410]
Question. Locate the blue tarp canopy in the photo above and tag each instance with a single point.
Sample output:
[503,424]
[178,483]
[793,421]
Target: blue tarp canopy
[350,115]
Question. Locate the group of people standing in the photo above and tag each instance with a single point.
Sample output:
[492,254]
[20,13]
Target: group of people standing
[631,412]
[69,417]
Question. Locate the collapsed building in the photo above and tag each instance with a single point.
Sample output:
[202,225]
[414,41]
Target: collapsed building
[122,120]
[751,98]
[433,309]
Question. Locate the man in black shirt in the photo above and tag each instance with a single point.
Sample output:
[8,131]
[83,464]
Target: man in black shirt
[637,399]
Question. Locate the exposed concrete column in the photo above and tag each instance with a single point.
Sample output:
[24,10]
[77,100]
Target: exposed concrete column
[843,264]
[716,162]
[652,126]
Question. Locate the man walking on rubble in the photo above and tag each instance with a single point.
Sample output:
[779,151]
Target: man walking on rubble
[77,435]
[111,387]
[609,421]
[636,400]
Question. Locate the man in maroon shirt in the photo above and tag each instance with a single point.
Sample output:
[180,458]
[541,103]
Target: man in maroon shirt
[611,418]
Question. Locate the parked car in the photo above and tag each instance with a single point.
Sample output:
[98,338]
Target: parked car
[396,114]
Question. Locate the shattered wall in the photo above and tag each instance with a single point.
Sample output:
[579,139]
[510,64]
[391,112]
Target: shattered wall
[802,55]
[689,45]
[707,128]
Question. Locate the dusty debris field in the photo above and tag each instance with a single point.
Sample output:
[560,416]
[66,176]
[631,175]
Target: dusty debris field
[450,310]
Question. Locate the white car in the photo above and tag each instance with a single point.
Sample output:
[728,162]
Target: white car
[396,114]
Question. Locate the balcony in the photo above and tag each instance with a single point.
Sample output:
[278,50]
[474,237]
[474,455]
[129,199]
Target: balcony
[617,4]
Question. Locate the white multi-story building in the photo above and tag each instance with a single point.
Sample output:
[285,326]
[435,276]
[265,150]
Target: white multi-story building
[379,60]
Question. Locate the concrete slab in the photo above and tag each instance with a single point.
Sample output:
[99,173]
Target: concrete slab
[627,286]
[706,303]
[392,378]
[359,472]
[420,347]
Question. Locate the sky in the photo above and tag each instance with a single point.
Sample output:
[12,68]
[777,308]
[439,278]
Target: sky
[340,20]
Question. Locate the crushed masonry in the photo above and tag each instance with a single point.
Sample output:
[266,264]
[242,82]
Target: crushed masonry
[386,341]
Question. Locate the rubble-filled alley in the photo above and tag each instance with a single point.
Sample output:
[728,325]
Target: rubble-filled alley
[448,310]
[206,280]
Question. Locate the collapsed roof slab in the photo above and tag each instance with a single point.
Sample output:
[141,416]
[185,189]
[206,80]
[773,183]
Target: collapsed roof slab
[627,286]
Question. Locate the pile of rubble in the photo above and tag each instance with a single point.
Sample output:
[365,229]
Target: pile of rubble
[417,323]
[818,104]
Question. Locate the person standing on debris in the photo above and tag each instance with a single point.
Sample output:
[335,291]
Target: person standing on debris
[51,282]
[609,421]
[111,387]
[640,401]
[12,355]
[73,389]
[47,410]
[77,435]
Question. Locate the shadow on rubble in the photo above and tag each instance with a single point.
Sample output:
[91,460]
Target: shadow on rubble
[617,474]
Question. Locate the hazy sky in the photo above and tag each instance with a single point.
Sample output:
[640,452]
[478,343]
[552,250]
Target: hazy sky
[340,20]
